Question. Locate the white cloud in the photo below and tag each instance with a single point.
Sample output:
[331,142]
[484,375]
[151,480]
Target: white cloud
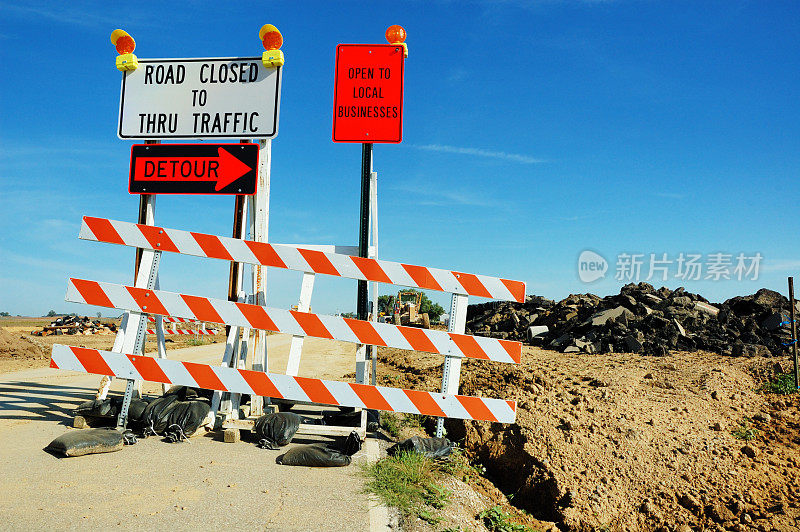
[437,198]
[780,265]
[479,152]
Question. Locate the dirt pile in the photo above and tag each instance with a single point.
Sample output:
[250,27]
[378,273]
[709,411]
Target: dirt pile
[641,319]
[12,345]
[631,442]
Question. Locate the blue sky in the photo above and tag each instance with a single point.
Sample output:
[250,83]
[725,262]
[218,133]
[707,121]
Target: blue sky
[532,131]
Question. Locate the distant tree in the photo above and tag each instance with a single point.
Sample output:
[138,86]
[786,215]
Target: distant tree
[99,314]
[349,315]
[51,314]
[386,304]
[4,314]
[434,310]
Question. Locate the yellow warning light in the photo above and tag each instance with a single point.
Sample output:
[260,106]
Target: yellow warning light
[123,42]
[396,34]
[125,46]
[270,37]
[272,40]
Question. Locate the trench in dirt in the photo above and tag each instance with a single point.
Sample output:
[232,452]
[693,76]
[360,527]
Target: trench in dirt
[524,480]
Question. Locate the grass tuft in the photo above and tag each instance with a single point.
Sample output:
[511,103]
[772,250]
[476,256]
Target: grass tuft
[745,432]
[782,384]
[496,520]
[409,482]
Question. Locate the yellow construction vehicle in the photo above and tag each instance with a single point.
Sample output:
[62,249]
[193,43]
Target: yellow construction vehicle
[406,310]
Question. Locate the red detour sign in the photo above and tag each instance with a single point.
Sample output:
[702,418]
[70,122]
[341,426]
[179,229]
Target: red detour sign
[368,93]
[193,169]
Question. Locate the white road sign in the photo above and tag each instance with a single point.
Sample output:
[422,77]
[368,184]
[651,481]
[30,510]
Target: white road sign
[200,98]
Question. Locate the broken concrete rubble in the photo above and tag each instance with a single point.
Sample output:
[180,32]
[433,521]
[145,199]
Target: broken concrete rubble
[641,319]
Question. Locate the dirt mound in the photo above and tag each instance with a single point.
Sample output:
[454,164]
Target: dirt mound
[631,442]
[12,345]
[641,319]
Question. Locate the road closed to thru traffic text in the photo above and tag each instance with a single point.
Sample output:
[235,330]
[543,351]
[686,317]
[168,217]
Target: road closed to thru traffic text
[200,98]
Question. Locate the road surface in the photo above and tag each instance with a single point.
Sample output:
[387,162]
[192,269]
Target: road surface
[156,485]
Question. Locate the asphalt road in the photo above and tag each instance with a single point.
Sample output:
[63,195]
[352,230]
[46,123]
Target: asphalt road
[155,485]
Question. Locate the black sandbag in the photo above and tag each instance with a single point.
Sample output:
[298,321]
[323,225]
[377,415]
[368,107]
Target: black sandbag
[100,412]
[187,393]
[314,455]
[350,419]
[430,447]
[183,419]
[351,445]
[135,411]
[155,417]
[86,441]
[277,429]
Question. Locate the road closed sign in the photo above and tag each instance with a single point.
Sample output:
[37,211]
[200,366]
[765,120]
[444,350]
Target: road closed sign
[368,93]
[200,98]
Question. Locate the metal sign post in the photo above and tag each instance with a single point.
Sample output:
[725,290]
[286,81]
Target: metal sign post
[199,98]
[363,251]
[368,108]
[794,334]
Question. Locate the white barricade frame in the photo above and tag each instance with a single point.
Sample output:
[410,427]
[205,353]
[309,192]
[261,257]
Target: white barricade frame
[146,299]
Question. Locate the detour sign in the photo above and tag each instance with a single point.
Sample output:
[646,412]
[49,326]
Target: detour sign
[368,93]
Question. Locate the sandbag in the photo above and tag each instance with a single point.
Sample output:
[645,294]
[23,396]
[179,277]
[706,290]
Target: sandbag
[87,441]
[101,412]
[177,414]
[155,417]
[187,393]
[350,419]
[277,429]
[430,447]
[351,445]
[314,455]
[184,418]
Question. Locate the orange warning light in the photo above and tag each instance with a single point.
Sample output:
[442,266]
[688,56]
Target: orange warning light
[123,42]
[270,37]
[395,34]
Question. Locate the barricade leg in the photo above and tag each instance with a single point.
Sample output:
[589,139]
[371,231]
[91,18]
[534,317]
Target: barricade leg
[451,371]
[296,347]
[136,329]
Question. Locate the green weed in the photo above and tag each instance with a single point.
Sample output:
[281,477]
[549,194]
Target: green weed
[496,520]
[782,384]
[745,432]
[409,482]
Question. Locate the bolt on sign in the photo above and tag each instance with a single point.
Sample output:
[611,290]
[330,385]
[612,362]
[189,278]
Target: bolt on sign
[193,169]
[368,93]
[200,98]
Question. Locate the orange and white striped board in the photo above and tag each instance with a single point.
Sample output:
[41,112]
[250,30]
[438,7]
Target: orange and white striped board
[168,332]
[291,322]
[257,383]
[171,319]
[299,259]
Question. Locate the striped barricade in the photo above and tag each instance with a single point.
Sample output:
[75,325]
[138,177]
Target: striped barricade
[179,308]
[278,386]
[171,319]
[300,259]
[196,332]
[291,322]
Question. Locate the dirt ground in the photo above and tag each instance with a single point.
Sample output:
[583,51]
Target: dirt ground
[602,442]
[21,350]
[630,442]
